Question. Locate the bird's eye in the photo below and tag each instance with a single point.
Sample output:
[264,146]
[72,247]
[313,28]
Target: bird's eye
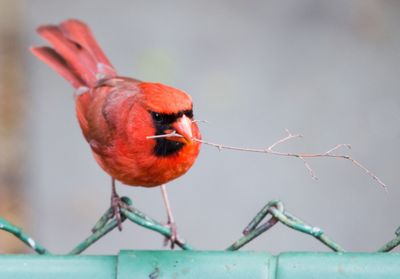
[157,116]
[188,113]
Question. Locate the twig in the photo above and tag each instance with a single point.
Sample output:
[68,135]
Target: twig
[199,121]
[288,137]
[337,147]
[301,156]
[308,167]
[173,134]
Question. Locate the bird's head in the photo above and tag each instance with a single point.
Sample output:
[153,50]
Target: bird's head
[171,111]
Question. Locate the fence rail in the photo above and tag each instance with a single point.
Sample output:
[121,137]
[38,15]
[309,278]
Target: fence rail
[195,264]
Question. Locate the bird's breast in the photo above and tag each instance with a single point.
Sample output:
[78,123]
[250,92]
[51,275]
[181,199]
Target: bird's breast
[140,166]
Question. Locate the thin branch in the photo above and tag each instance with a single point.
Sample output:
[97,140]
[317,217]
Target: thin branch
[368,172]
[308,167]
[337,147]
[301,156]
[288,137]
[199,121]
[173,134]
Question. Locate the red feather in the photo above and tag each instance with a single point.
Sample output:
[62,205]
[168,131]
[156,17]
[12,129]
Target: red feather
[74,45]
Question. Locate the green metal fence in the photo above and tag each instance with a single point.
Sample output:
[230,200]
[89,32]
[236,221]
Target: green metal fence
[196,264]
[274,210]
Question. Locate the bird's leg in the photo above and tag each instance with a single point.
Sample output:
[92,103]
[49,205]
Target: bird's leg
[116,204]
[171,222]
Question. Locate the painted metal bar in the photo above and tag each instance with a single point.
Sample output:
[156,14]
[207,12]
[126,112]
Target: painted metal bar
[339,265]
[60,267]
[20,234]
[392,243]
[206,264]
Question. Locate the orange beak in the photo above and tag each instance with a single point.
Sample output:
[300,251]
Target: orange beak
[184,127]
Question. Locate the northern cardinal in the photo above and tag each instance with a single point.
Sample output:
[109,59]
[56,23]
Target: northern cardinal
[117,114]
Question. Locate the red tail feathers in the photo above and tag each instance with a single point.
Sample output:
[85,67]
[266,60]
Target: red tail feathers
[75,55]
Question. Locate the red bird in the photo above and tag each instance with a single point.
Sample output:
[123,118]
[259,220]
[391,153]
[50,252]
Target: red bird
[118,114]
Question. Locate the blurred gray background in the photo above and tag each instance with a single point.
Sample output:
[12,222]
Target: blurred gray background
[326,69]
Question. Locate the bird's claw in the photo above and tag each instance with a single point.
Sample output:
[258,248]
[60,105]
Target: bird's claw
[173,236]
[116,205]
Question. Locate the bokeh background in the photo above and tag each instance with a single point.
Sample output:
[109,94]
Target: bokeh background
[326,69]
